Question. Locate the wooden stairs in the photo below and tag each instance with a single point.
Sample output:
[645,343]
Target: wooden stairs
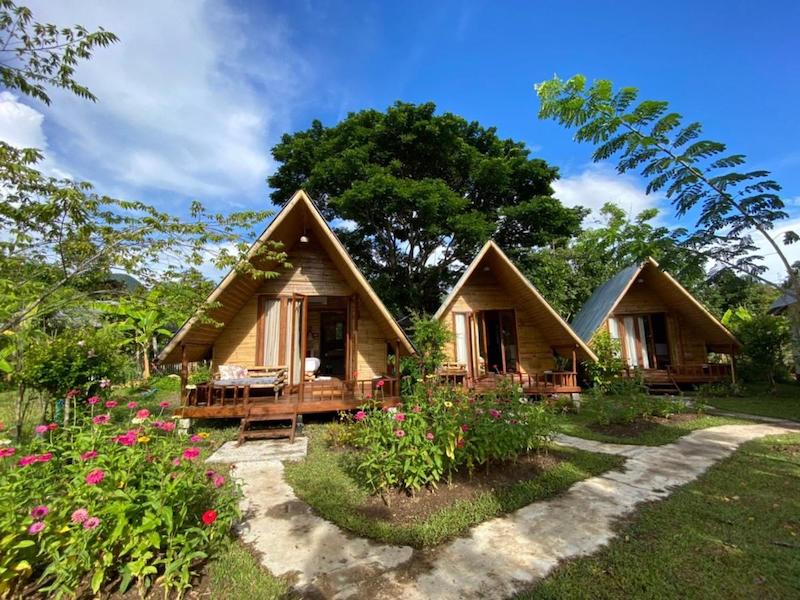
[659,382]
[260,415]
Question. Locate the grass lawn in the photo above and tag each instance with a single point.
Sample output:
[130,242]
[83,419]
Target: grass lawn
[656,434]
[236,573]
[323,481]
[783,402]
[734,533]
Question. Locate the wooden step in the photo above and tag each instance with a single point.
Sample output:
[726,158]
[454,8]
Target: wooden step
[255,415]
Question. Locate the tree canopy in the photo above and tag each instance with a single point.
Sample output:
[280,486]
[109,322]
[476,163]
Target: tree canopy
[414,194]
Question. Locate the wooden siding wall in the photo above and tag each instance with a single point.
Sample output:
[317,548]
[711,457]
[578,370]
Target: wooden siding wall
[312,274]
[484,292]
[687,344]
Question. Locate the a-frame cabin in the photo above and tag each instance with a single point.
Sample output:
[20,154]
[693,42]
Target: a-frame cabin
[664,332]
[318,335]
[503,327]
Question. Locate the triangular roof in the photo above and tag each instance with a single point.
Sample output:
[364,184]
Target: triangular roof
[782,303]
[508,272]
[606,298]
[236,288]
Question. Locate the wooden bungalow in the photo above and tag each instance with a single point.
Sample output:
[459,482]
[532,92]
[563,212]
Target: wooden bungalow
[503,327]
[665,333]
[316,338]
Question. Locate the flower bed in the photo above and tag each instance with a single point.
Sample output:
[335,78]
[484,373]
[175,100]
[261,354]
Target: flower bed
[439,430]
[97,506]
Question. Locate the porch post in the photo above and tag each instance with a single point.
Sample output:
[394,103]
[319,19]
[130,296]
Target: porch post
[733,364]
[574,361]
[396,386]
[184,374]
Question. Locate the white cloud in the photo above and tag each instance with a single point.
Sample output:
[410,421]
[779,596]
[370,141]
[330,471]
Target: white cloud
[190,98]
[776,271]
[20,125]
[598,184]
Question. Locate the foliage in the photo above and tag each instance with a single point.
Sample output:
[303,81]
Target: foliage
[700,178]
[764,342]
[421,192]
[720,390]
[622,409]
[609,365]
[76,360]
[36,55]
[440,429]
[201,374]
[780,401]
[429,336]
[96,505]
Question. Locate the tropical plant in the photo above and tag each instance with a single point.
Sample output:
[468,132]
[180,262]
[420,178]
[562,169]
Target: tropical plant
[699,176]
[609,365]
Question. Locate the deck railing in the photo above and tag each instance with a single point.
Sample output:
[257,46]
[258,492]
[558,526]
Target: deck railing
[701,371]
[545,382]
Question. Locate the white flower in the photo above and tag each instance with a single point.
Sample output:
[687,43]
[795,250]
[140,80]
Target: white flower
[137,420]
[392,410]
[4,442]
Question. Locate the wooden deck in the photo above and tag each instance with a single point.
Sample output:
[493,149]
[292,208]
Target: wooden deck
[233,402]
[678,375]
[533,384]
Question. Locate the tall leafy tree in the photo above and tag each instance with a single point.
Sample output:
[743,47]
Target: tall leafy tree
[569,274]
[415,194]
[730,203]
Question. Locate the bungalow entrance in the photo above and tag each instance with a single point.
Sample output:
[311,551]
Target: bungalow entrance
[644,341]
[498,340]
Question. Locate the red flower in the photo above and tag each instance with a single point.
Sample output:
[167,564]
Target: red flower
[52,426]
[142,414]
[209,517]
[380,383]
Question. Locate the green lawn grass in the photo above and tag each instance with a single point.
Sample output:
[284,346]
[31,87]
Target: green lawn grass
[783,402]
[734,533]
[236,573]
[323,482]
[578,425]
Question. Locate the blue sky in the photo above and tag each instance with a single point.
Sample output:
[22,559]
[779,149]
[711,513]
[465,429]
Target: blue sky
[196,92]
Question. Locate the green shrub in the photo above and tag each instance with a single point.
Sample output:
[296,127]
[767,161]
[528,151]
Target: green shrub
[720,390]
[201,374]
[608,409]
[440,429]
[608,367]
[101,506]
[765,340]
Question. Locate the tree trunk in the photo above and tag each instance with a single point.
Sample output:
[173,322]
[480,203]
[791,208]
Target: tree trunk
[793,313]
[146,363]
[19,411]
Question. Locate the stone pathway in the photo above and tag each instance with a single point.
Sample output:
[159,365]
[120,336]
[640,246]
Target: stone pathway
[497,558]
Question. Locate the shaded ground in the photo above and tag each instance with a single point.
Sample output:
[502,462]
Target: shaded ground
[735,533]
[641,427]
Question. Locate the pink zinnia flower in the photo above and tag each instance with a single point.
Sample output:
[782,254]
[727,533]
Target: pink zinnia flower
[399,417]
[39,512]
[36,527]
[80,515]
[93,400]
[27,460]
[417,409]
[380,384]
[168,427]
[400,433]
[72,393]
[105,383]
[196,439]
[164,404]
[191,453]
[176,461]
[6,452]
[360,415]
[218,481]
[132,405]
[95,476]
[101,419]
[91,523]
[464,427]
[495,413]
[368,395]
[89,455]
[52,426]
[142,414]
[46,457]
[127,439]
[41,429]
[429,436]
[211,473]
[111,404]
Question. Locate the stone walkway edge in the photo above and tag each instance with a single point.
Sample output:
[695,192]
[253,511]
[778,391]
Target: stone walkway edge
[497,558]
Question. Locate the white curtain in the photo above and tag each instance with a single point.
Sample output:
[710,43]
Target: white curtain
[645,352]
[272,332]
[461,338]
[630,340]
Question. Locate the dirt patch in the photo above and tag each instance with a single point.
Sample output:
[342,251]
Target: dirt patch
[405,509]
[641,426]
